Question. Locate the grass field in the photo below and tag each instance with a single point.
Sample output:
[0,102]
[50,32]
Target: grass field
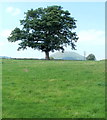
[53,89]
[0,88]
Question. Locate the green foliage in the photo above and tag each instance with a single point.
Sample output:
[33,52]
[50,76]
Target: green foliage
[53,89]
[46,29]
[91,57]
[51,58]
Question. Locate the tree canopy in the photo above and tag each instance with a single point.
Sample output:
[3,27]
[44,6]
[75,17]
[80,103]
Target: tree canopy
[46,29]
[91,57]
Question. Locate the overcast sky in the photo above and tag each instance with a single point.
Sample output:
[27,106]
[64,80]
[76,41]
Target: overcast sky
[90,29]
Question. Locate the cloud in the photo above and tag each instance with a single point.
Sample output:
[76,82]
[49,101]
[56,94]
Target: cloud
[9,9]
[2,43]
[92,36]
[13,11]
[5,33]
[92,41]
[3,38]
[16,12]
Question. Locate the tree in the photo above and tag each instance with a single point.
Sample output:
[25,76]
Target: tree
[46,29]
[91,57]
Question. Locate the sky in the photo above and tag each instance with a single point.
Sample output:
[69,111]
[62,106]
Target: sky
[90,29]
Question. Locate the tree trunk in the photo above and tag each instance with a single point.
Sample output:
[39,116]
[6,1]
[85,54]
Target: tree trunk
[47,55]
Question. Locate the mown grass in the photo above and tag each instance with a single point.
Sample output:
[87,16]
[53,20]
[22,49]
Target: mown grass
[0,88]
[53,89]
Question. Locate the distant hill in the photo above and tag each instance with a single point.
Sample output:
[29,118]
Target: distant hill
[5,57]
[67,56]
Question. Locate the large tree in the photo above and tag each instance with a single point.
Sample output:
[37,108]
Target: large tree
[46,29]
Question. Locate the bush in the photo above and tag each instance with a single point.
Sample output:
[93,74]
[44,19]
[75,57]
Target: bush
[91,57]
[51,58]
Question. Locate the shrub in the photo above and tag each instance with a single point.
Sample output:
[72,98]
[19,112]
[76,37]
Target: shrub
[51,58]
[91,57]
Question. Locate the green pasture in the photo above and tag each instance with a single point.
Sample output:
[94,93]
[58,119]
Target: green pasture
[0,88]
[53,89]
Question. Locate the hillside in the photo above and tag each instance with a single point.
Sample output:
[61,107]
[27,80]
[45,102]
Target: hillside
[67,56]
[5,57]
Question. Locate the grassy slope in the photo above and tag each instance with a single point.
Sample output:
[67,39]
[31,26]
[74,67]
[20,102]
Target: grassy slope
[53,89]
